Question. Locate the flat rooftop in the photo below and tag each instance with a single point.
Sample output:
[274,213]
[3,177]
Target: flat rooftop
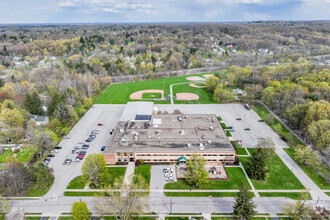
[170,133]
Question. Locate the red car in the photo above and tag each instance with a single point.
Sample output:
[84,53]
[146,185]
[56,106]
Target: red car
[238,141]
[238,119]
[99,124]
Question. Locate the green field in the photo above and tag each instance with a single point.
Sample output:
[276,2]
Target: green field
[145,171]
[119,93]
[151,95]
[236,176]
[114,173]
[279,176]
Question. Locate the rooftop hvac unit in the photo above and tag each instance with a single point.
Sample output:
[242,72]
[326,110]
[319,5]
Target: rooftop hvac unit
[157,131]
[189,145]
[201,146]
[211,128]
[209,142]
[121,130]
[182,132]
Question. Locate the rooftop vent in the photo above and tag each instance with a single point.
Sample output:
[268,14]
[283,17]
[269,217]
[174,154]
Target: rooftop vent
[182,132]
[189,145]
[201,146]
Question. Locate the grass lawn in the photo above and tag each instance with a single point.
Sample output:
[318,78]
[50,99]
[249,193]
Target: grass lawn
[239,150]
[35,191]
[145,171]
[151,95]
[114,173]
[328,193]
[119,93]
[82,193]
[77,183]
[236,176]
[291,195]
[279,176]
[199,84]
[318,180]
[202,194]
[21,157]
[231,218]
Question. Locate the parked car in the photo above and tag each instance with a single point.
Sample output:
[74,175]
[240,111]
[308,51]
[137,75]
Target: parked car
[54,151]
[66,137]
[77,147]
[51,155]
[96,129]
[113,130]
[260,120]
[238,119]
[92,136]
[238,141]
[81,142]
[168,174]
[169,179]
[110,132]
[94,132]
[103,148]
[99,124]
[89,139]
[230,127]
[83,152]
[85,146]
[75,151]
[67,161]
[58,147]
[247,129]
[45,162]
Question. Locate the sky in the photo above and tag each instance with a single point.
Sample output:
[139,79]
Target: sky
[111,11]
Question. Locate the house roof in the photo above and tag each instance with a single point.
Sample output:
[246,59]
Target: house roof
[40,118]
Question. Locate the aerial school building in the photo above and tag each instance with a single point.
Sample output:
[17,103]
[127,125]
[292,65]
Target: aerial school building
[142,134]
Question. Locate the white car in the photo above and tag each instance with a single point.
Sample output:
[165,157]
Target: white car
[169,179]
[54,151]
[168,174]
[66,137]
[81,142]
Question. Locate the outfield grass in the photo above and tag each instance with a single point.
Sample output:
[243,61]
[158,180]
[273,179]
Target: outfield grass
[318,180]
[77,183]
[279,176]
[21,157]
[119,93]
[236,176]
[151,95]
[145,171]
[291,195]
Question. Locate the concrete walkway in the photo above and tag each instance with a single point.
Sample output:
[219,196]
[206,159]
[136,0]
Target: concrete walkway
[129,173]
[247,177]
[171,89]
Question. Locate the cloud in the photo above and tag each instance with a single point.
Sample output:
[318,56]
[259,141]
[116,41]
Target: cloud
[67,4]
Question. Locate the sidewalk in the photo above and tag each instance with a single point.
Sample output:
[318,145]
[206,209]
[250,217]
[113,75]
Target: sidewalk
[129,173]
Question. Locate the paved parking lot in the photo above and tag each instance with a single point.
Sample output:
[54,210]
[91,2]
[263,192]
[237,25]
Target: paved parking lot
[106,114]
[157,180]
[229,113]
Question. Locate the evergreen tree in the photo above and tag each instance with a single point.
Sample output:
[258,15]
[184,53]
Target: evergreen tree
[55,100]
[33,103]
[2,83]
[256,165]
[244,206]
[81,40]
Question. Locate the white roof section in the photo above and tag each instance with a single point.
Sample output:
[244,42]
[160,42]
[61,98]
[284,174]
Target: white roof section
[133,109]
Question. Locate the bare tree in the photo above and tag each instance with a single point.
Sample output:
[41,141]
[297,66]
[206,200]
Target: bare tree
[15,214]
[124,200]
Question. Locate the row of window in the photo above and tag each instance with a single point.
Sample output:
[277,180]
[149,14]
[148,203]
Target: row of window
[187,155]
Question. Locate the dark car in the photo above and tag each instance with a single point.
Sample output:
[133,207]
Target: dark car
[99,124]
[230,127]
[103,148]
[85,147]
[92,136]
[75,151]
[247,129]
[48,159]
[82,152]
[260,120]
[238,119]
[58,147]
[89,140]
[113,130]
[110,132]
[67,161]
[51,155]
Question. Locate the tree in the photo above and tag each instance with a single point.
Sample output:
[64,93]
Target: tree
[268,145]
[126,203]
[45,140]
[319,134]
[12,117]
[33,103]
[80,211]
[42,176]
[299,209]
[244,206]
[211,83]
[14,178]
[95,170]
[256,165]
[5,207]
[196,174]
[305,155]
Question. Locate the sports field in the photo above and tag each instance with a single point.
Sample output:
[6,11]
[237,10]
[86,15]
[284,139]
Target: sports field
[120,93]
